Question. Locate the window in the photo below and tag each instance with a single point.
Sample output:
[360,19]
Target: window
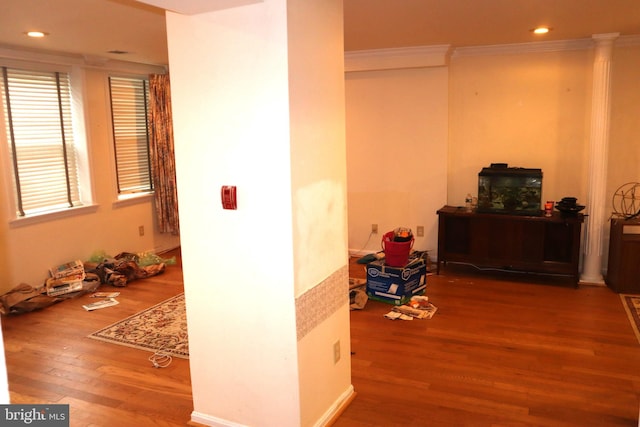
[39,123]
[129,106]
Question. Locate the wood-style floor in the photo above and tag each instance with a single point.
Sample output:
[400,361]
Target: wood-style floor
[51,360]
[498,352]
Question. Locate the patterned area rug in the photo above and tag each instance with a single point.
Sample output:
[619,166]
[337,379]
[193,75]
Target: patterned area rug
[631,305]
[162,327]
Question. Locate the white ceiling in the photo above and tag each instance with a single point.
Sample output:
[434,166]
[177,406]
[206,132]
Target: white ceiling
[95,27]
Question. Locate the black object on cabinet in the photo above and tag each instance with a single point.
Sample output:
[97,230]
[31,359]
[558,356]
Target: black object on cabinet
[533,244]
[623,271]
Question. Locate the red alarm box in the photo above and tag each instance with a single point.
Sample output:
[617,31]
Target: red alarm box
[228,196]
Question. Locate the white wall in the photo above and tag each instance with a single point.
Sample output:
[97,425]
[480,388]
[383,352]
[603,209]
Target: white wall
[318,148]
[257,96]
[528,109]
[318,171]
[397,126]
[230,103]
[28,251]
[526,105]
[624,146]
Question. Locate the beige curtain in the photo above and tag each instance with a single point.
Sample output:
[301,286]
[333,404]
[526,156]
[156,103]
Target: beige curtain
[162,154]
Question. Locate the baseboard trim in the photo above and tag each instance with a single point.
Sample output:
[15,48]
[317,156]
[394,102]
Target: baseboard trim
[164,249]
[359,253]
[200,419]
[328,419]
[341,405]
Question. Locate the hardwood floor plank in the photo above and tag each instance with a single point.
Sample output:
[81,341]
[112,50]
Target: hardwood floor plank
[50,359]
[84,414]
[23,387]
[143,381]
[95,390]
[500,351]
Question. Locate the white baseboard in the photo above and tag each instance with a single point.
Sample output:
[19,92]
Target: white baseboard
[360,253]
[336,409]
[212,421]
[325,420]
[356,253]
[163,249]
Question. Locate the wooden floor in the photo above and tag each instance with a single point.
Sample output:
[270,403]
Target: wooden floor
[51,360]
[497,353]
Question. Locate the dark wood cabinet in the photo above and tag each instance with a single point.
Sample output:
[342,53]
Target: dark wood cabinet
[535,244]
[623,270]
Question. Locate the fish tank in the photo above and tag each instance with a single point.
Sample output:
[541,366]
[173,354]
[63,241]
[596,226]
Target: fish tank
[510,190]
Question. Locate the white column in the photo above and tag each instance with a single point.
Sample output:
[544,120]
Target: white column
[598,150]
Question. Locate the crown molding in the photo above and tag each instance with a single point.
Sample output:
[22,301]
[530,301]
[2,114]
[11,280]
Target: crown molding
[11,53]
[519,48]
[550,46]
[439,55]
[387,59]
[21,54]
[628,41]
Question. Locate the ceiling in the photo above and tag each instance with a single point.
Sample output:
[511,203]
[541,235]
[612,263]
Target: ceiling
[97,27]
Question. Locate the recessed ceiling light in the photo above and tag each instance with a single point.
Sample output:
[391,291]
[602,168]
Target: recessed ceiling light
[541,30]
[36,34]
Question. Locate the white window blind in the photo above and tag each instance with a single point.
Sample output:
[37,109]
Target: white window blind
[38,117]
[129,105]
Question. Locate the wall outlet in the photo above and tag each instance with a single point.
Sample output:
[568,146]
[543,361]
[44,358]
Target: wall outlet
[374,228]
[336,352]
[141,230]
[420,231]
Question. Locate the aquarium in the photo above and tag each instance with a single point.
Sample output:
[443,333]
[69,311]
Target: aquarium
[510,190]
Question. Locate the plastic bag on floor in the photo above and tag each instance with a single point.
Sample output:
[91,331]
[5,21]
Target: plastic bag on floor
[25,298]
